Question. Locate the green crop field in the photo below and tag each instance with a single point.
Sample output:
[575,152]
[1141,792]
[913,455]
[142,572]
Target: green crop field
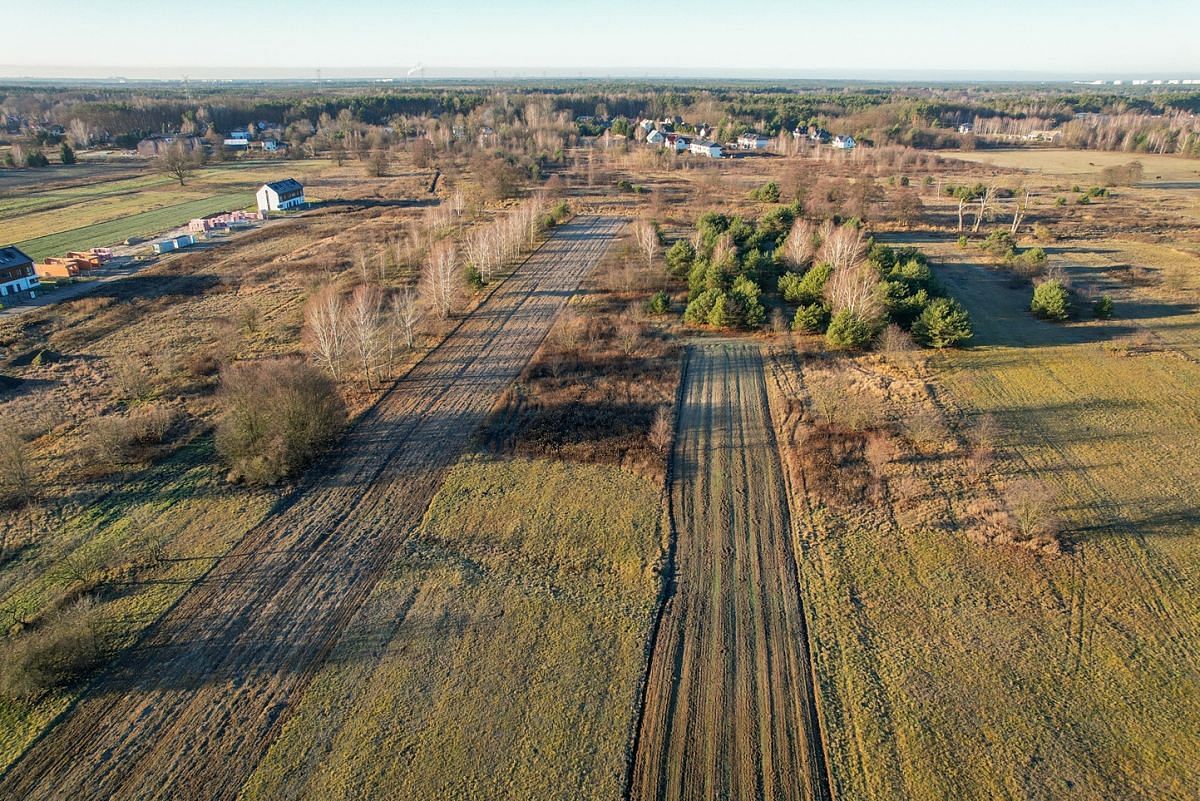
[498,658]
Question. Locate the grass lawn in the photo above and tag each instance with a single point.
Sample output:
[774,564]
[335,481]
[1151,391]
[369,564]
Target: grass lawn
[956,670]
[498,658]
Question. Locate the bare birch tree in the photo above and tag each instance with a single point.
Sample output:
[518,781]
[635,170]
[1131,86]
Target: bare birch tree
[1019,211]
[365,317]
[406,315]
[799,247]
[646,237]
[987,201]
[441,278]
[325,327]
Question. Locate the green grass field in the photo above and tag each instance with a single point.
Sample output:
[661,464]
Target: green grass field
[498,658]
[956,670]
[180,506]
[54,221]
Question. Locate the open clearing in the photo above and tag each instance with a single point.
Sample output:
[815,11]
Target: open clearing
[1084,163]
[190,711]
[950,669]
[729,707]
[499,654]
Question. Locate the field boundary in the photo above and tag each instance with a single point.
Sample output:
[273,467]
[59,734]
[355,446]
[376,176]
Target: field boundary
[667,586]
[773,397]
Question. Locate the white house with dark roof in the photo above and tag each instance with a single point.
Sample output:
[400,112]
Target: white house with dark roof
[281,195]
[753,141]
[16,272]
[710,149]
[845,142]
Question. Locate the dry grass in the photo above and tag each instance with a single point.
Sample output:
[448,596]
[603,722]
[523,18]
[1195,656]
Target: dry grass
[498,658]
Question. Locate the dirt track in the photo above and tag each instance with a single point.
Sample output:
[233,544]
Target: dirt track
[729,708]
[190,711]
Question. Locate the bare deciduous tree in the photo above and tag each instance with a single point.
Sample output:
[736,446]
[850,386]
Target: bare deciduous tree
[800,245]
[16,467]
[646,237]
[365,318]
[406,314]
[662,430]
[987,201]
[1022,206]
[179,161]
[441,279]
[325,328]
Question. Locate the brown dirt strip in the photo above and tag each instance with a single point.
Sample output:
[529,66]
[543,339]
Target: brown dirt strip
[729,707]
[191,710]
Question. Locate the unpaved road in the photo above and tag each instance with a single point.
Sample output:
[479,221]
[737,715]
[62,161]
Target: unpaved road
[190,711]
[729,709]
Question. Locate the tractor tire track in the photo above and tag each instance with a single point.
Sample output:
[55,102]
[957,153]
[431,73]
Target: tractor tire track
[730,706]
[191,709]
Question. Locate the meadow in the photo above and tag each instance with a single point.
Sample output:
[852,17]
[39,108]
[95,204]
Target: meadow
[499,655]
[53,221]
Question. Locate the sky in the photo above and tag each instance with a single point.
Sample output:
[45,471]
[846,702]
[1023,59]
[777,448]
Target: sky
[771,38]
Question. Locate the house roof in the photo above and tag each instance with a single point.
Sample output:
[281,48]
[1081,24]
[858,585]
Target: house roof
[286,185]
[12,256]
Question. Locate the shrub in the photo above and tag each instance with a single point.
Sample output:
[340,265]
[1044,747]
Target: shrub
[848,330]
[474,278]
[1102,307]
[944,323]
[963,241]
[767,193]
[119,439]
[1060,201]
[1051,301]
[276,417]
[680,257]
[659,303]
[59,651]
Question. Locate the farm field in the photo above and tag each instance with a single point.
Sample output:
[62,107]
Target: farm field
[951,669]
[729,709]
[53,221]
[499,654]
[260,623]
[1085,163]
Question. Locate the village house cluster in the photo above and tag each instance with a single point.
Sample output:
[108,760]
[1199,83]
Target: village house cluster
[699,139]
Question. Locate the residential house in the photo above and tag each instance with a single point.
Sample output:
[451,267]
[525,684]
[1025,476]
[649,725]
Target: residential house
[705,131]
[16,272]
[752,141]
[966,128]
[239,133]
[655,137]
[236,144]
[820,136]
[677,142]
[800,132]
[709,149]
[280,195]
[844,142]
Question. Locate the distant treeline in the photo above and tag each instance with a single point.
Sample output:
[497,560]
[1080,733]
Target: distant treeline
[1144,119]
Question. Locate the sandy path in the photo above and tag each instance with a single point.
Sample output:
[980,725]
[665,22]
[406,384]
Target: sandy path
[729,708]
[189,712]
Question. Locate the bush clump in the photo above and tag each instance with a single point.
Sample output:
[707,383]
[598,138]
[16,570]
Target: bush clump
[659,303]
[1051,301]
[1102,307]
[943,324]
[277,415]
